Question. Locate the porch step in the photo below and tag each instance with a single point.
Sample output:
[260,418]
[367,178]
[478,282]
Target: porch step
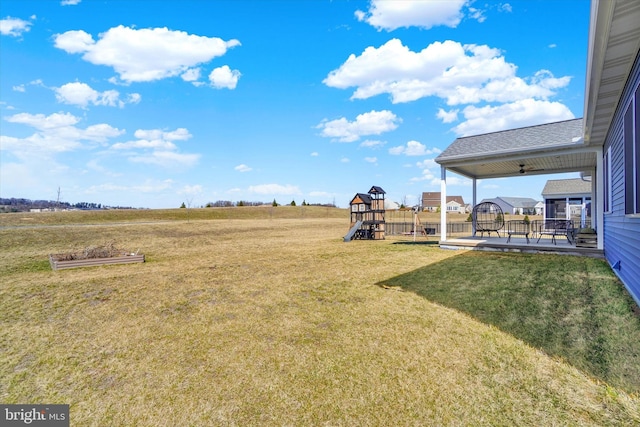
[587,240]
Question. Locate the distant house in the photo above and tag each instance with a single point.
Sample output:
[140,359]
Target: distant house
[431,202]
[453,206]
[568,199]
[517,205]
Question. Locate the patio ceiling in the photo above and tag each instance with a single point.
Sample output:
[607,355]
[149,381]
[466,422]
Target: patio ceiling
[533,163]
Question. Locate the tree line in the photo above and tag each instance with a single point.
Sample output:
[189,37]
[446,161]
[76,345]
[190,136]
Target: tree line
[24,205]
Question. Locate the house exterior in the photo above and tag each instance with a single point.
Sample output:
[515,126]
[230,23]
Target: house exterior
[517,205]
[454,206]
[604,145]
[431,202]
[612,123]
[568,199]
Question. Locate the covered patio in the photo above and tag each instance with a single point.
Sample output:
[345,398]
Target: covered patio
[536,150]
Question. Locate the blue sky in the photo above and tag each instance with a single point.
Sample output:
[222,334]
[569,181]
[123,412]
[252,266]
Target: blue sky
[149,103]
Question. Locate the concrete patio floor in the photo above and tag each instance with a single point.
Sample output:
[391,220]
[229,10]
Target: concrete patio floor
[519,244]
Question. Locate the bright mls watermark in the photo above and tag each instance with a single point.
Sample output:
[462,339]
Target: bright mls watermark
[34,415]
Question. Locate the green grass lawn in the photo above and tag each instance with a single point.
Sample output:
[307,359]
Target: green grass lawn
[569,307]
[276,321]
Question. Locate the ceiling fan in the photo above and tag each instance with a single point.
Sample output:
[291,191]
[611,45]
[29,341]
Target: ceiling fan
[529,169]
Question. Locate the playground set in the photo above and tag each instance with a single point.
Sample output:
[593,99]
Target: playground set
[367,215]
[370,220]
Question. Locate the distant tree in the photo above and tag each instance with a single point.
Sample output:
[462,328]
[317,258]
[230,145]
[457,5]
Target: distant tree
[293,203]
[470,218]
[240,203]
[209,205]
[274,203]
[304,202]
[526,219]
[183,206]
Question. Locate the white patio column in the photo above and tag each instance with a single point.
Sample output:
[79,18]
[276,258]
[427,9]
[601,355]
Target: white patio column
[474,201]
[599,199]
[443,203]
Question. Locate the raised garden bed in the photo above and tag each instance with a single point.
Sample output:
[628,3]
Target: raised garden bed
[94,256]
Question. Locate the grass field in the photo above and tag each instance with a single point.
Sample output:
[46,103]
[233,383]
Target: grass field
[273,320]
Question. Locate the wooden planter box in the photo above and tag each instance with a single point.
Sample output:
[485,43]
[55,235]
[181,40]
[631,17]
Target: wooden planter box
[91,262]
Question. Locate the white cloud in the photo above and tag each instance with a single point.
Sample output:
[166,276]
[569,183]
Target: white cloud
[506,7]
[344,160]
[413,148]
[146,54]
[81,94]
[69,2]
[371,123]
[372,144]
[447,116]
[149,186]
[477,14]
[191,189]
[145,143]
[243,168]
[390,15]
[224,78]
[191,75]
[157,147]
[371,159]
[166,159]
[55,133]
[275,189]
[19,88]
[14,27]
[315,154]
[180,134]
[526,112]
[459,74]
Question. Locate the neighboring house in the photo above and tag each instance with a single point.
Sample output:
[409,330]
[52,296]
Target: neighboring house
[604,145]
[568,199]
[454,206]
[431,201]
[389,205]
[517,205]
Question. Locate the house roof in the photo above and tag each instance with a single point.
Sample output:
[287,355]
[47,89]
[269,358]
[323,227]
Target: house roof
[556,187]
[435,197]
[614,40]
[519,202]
[546,148]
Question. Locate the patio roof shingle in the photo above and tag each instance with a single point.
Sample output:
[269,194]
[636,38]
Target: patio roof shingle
[529,138]
[542,149]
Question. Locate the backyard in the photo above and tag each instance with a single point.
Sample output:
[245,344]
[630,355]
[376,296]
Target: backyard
[264,316]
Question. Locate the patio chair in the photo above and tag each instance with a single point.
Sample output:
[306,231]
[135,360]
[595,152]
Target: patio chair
[518,228]
[487,218]
[556,227]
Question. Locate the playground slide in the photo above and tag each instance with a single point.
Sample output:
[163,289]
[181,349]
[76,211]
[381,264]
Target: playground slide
[353,230]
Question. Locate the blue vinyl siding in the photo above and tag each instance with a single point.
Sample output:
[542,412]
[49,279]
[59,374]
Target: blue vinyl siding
[622,232]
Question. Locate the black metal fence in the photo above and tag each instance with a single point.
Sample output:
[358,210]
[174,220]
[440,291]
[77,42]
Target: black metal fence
[398,228]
